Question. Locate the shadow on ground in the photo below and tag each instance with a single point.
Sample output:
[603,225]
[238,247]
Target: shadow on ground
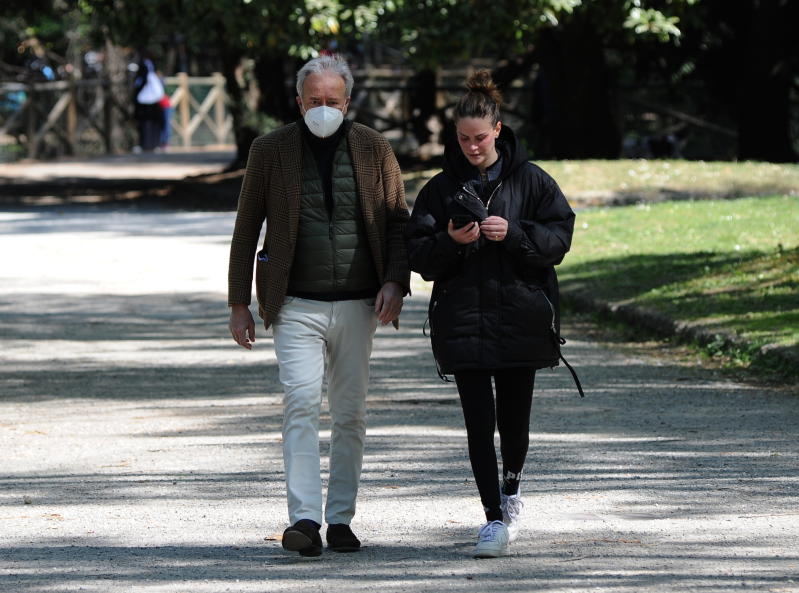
[142,450]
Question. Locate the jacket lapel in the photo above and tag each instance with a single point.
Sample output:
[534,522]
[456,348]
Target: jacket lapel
[367,176]
[370,193]
[291,179]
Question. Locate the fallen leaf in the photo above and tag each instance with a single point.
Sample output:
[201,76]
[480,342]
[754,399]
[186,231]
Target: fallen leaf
[123,463]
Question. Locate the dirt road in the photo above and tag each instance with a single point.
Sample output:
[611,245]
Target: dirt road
[141,449]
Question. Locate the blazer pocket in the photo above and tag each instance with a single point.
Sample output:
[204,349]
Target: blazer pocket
[262,268]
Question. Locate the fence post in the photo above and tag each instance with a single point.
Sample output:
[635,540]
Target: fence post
[72,117]
[185,108]
[105,90]
[219,105]
[31,134]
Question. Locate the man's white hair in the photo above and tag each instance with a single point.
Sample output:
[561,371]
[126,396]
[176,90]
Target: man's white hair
[335,64]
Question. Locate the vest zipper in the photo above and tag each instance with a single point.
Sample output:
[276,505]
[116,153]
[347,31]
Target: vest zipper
[332,235]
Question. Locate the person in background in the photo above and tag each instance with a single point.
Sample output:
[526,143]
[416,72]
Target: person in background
[166,122]
[333,265]
[488,231]
[148,92]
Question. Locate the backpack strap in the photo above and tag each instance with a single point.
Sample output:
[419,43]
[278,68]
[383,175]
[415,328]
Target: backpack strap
[441,375]
[559,341]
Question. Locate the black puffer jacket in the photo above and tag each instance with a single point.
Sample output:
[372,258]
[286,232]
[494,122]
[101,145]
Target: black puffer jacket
[494,304]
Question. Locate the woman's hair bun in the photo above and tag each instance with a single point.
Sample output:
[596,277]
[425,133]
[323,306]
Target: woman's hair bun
[481,99]
[481,82]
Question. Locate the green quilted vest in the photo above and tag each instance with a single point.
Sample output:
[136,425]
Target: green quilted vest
[332,254]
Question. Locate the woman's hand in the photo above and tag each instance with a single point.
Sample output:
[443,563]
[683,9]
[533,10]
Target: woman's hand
[494,228]
[464,235]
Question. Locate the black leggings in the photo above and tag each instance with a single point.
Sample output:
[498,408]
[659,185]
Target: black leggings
[514,398]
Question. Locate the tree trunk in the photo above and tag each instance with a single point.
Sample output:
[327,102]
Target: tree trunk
[237,107]
[764,85]
[273,73]
[422,88]
[573,103]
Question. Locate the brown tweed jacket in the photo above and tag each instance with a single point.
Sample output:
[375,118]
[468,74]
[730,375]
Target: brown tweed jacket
[271,192]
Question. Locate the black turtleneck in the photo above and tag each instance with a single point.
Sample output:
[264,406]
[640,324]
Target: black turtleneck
[323,150]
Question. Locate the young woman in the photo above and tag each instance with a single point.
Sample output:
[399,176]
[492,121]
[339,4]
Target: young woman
[488,230]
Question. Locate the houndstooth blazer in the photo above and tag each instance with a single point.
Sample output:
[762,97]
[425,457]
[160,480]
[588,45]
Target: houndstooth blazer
[270,193]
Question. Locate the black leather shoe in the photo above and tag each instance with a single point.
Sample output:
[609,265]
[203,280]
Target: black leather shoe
[340,538]
[303,537]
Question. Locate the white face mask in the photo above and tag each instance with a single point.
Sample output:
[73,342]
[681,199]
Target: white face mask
[323,121]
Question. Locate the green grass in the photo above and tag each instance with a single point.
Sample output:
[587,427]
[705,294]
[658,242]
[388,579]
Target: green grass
[592,181]
[662,178]
[729,266]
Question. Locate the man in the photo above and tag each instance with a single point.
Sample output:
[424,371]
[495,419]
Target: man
[333,264]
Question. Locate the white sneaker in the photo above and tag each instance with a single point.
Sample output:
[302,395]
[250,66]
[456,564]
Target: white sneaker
[512,506]
[492,540]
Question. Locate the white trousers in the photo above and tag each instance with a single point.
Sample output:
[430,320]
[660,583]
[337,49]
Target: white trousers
[308,334]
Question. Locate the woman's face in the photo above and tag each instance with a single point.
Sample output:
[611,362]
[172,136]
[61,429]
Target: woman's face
[477,138]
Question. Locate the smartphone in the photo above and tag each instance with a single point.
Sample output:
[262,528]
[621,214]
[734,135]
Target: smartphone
[462,220]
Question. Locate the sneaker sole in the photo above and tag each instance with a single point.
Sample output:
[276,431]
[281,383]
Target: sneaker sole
[484,555]
[479,554]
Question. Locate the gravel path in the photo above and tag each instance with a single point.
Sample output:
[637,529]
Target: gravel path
[174,165]
[141,450]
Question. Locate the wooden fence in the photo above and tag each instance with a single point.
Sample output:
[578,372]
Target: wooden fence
[412,110]
[86,117]
[199,102]
[51,119]
[94,116]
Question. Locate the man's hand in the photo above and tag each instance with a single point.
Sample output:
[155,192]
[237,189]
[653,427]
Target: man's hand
[388,303]
[242,326]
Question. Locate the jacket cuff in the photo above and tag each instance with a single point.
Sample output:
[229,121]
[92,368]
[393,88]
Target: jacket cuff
[514,236]
[403,278]
[239,299]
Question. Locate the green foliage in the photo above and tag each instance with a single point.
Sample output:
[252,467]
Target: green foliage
[36,29]
[653,22]
[436,32]
[429,32]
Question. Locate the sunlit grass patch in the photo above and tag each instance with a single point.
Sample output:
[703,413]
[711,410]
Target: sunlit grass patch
[634,180]
[727,265]
[646,178]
